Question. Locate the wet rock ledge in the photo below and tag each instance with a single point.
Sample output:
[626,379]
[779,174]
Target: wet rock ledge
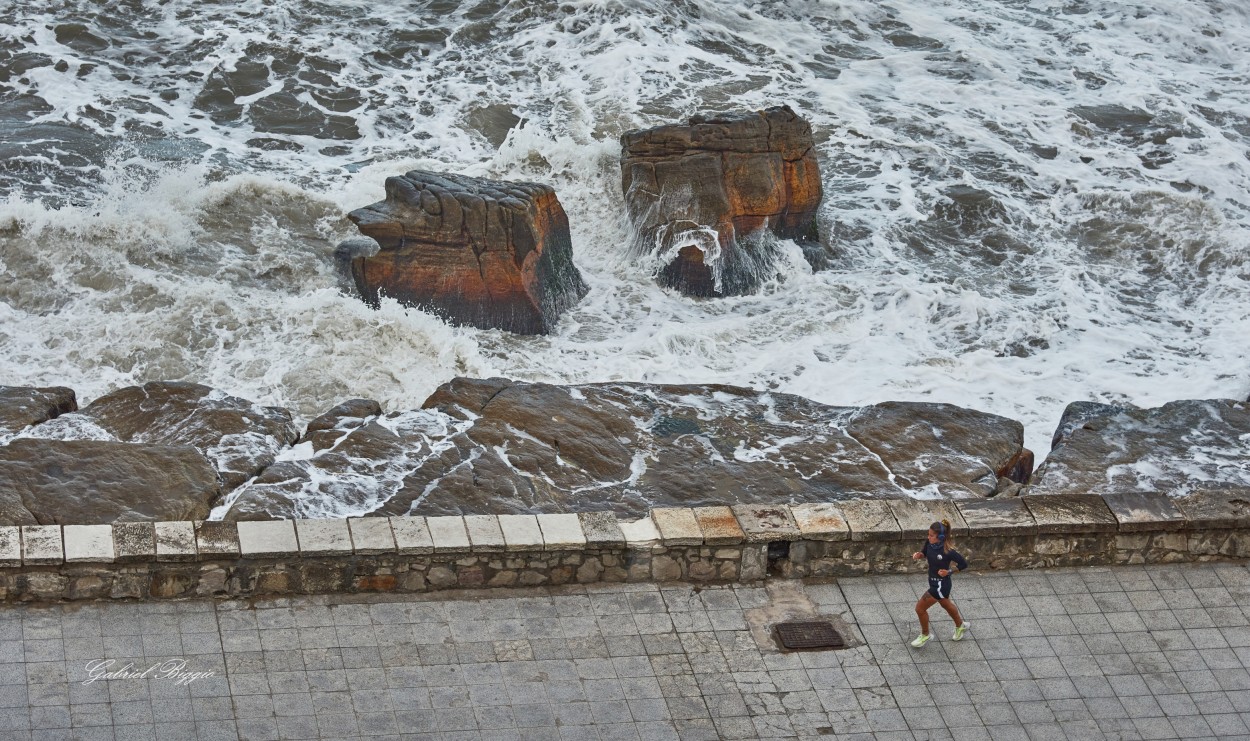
[176,451]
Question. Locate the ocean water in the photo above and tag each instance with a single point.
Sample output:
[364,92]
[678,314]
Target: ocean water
[1028,202]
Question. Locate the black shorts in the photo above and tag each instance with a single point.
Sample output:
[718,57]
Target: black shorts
[940,587]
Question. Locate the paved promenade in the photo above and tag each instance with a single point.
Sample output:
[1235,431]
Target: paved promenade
[1122,653]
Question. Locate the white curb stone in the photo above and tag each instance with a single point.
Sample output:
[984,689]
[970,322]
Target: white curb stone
[601,530]
[372,535]
[763,523]
[10,546]
[449,534]
[719,526]
[175,541]
[640,533]
[821,521]
[217,539]
[323,537]
[89,543]
[268,538]
[412,535]
[41,544]
[134,541]
[562,532]
[521,532]
[677,526]
[484,533]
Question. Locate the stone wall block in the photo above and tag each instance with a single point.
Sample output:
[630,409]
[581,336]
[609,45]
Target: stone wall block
[485,535]
[1215,509]
[794,565]
[331,576]
[323,537]
[216,540]
[412,535]
[641,534]
[134,542]
[765,524]
[590,571]
[89,586]
[1070,513]
[871,519]
[1074,549]
[10,547]
[1144,511]
[521,533]
[988,518]
[914,516]
[562,532]
[371,536]
[268,539]
[44,586]
[175,541]
[601,530]
[1011,551]
[821,521]
[719,526]
[449,534]
[677,526]
[128,585]
[42,545]
[88,543]
[173,582]
[665,567]
[754,565]
[702,571]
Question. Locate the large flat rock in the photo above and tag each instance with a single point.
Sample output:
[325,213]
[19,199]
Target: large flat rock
[495,446]
[23,406]
[239,437]
[89,482]
[1180,447]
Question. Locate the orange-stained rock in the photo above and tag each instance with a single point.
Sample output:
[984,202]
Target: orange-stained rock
[701,195]
[490,254]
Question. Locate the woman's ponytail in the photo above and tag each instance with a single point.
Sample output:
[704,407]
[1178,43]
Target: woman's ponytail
[946,541]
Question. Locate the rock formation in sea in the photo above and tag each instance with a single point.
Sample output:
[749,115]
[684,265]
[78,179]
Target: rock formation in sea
[499,446]
[490,254]
[239,438]
[160,451]
[707,195]
[1179,447]
[23,406]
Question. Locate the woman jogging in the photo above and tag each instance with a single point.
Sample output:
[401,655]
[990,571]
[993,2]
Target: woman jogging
[943,561]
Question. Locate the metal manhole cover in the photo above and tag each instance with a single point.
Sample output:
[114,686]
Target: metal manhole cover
[809,635]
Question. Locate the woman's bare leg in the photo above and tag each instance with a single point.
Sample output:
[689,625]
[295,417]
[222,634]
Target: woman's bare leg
[922,611]
[948,604]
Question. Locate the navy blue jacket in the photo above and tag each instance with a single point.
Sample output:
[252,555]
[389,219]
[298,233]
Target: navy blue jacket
[942,560]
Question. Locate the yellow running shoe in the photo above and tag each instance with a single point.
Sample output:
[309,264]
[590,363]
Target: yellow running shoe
[921,640]
[959,631]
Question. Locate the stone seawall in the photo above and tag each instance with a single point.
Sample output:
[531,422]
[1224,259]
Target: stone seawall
[743,543]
